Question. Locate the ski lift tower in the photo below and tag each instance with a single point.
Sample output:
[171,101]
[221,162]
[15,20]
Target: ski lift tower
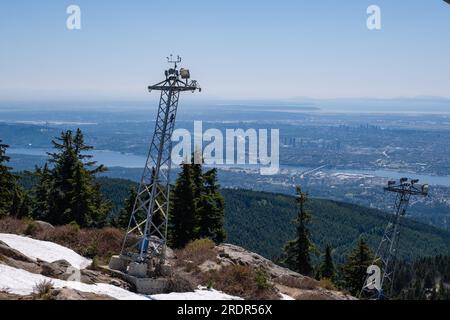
[386,255]
[144,246]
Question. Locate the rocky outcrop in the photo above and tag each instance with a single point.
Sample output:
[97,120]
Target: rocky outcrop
[9,252]
[286,281]
[60,269]
[56,294]
[16,259]
[70,294]
[204,265]
[43,226]
[231,254]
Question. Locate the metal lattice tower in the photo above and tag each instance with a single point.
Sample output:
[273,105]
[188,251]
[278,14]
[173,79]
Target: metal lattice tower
[146,237]
[386,255]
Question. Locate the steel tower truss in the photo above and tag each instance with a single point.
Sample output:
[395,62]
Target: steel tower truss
[146,236]
[386,255]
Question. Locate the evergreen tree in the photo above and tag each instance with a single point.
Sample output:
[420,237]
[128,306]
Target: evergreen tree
[124,216]
[211,207]
[74,195]
[197,174]
[429,281]
[183,216]
[355,269]
[21,204]
[297,252]
[197,208]
[327,267]
[6,182]
[41,193]
[418,290]
[442,292]
[13,199]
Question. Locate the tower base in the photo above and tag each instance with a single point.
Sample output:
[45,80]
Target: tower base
[144,278]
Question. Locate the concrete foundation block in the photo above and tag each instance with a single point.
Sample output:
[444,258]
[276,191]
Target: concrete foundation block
[138,270]
[118,263]
[151,286]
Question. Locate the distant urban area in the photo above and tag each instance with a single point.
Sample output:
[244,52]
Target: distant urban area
[334,156]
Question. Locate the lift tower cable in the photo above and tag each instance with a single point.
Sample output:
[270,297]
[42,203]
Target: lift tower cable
[146,237]
[380,275]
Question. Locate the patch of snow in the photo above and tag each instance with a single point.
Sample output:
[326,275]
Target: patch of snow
[286,297]
[200,294]
[21,282]
[44,250]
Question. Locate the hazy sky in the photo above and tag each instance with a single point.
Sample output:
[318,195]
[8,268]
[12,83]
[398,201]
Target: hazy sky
[235,48]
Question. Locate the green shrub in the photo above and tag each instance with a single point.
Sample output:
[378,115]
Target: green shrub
[200,245]
[195,253]
[75,225]
[327,284]
[262,279]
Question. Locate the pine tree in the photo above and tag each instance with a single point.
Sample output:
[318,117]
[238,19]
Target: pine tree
[82,206]
[355,269]
[197,174]
[327,267]
[197,209]
[6,182]
[25,207]
[297,252]
[211,207]
[441,294]
[124,216]
[429,281]
[418,290]
[74,195]
[183,216]
[41,193]
[20,205]
[13,199]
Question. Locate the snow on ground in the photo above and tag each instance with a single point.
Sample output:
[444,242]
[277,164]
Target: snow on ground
[286,297]
[21,282]
[44,250]
[199,294]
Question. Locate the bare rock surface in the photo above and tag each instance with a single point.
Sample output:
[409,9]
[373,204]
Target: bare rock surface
[43,225]
[70,294]
[229,253]
[60,269]
[9,252]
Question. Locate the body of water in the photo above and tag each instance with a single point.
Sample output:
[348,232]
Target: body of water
[106,157]
[126,160]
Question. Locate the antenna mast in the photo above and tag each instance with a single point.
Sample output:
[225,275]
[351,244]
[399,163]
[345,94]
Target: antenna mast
[386,255]
[144,246]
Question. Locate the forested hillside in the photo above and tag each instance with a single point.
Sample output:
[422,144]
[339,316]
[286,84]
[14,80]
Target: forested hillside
[261,222]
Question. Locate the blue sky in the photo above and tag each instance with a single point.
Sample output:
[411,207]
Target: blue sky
[252,49]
